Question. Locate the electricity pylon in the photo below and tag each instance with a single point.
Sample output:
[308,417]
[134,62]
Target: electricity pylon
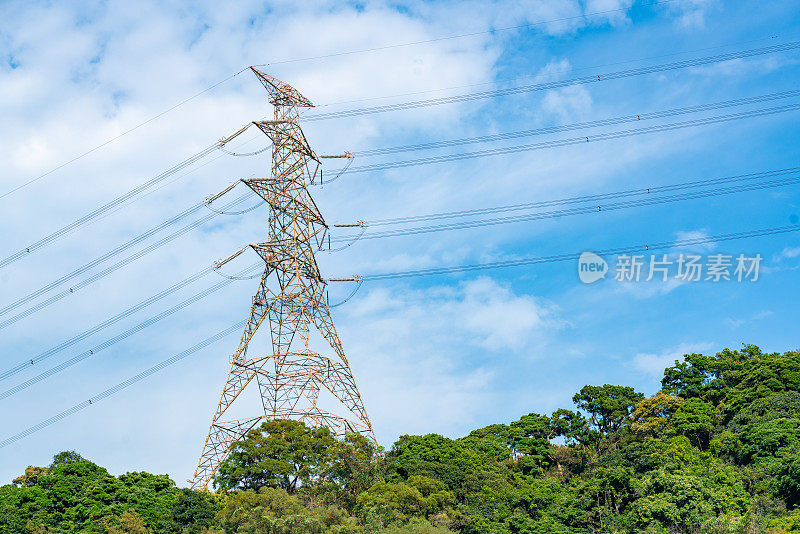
[291,298]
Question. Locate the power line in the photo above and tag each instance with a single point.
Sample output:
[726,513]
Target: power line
[103,257]
[402,274]
[174,179]
[213,86]
[462,35]
[350,52]
[122,385]
[556,72]
[583,210]
[116,202]
[119,337]
[108,322]
[631,249]
[115,138]
[575,140]
[580,125]
[110,269]
[594,78]
[585,198]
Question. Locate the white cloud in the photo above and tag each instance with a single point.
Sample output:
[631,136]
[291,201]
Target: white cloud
[569,104]
[791,252]
[653,364]
[690,235]
[425,359]
[690,14]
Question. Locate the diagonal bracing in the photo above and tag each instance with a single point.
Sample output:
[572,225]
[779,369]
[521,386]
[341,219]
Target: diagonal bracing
[290,303]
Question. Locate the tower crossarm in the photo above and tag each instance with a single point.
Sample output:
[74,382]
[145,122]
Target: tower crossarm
[276,256]
[297,204]
[287,134]
[290,305]
[281,94]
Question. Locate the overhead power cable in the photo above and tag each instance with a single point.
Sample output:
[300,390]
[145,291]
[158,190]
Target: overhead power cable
[631,249]
[112,268]
[583,210]
[625,119]
[350,52]
[403,274]
[22,366]
[116,339]
[582,16]
[172,180]
[110,254]
[551,72]
[115,138]
[654,190]
[122,385]
[575,140]
[583,80]
[117,201]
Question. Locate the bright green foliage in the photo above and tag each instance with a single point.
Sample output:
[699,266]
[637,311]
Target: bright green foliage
[789,524]
[454,462]
[277,454]
[274,511]
[686,487]
[716,451]
[491,441]
[416,526]
[396,503]
[76,495]
[695,419]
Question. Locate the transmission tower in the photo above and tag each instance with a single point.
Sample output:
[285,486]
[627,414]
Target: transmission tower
[291,298]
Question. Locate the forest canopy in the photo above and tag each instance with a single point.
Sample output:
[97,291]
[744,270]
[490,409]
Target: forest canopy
[716,450]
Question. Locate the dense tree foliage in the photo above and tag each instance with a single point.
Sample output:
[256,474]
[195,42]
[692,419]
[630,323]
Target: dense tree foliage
[717,450]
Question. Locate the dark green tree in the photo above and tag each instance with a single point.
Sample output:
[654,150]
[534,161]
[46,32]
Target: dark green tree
[279,453]
[609,406]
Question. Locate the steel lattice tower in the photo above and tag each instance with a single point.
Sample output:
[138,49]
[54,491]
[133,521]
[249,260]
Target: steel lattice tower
[291,298]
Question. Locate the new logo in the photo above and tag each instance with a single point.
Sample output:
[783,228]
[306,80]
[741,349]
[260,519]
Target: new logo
[591,267]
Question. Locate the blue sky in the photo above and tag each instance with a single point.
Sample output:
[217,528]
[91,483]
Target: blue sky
[444,353]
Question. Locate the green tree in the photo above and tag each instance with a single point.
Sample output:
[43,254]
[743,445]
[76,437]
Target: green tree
[356,463]
[195,510]
[690,378]
[280,453]
[609,406]
[572,426]
[66,457]
[461,466]
[274,511]
[695,419]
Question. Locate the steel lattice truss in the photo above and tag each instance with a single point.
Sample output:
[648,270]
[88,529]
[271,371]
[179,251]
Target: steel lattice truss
[291,298]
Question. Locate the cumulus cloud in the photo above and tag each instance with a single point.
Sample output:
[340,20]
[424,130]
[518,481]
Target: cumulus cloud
[434,351]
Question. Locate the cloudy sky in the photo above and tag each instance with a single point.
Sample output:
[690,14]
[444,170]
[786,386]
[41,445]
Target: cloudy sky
[444,353]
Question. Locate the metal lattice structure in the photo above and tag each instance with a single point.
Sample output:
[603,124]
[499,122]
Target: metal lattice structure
[291,300]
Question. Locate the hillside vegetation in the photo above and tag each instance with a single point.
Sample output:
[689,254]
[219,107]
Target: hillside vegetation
[717,450]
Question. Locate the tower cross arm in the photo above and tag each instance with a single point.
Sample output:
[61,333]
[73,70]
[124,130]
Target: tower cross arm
[281,93]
